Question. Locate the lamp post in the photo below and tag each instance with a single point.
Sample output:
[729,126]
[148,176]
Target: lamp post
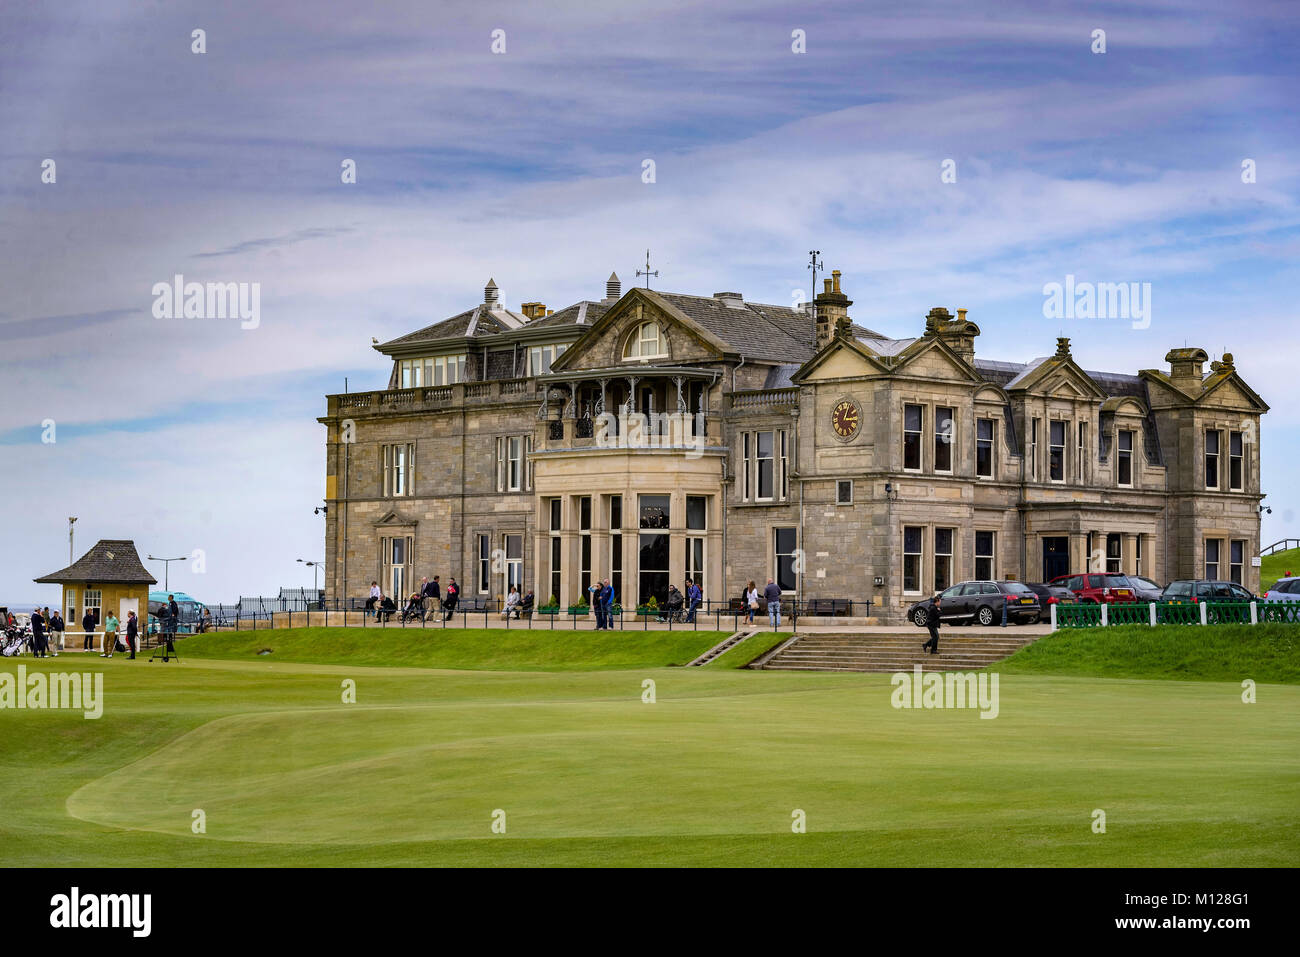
[167,567]
[314,566]
[71,521]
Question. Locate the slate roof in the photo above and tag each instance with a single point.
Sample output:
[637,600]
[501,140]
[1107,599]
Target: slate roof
[753,329]
[111,560]
[583,313]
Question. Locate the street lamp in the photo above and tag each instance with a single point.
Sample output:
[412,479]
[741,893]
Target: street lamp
[167,567]
[314,566]
[71,521]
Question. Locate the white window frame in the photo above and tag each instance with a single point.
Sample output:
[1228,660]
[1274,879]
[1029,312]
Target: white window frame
[991,555]
[484,582]
[1081,464]
[920,561]
[1052,447]
[952,546]
[1217,456]
[514,567]
[1239,458]
[1218,559]
[93,599]
[399,469]
[919,432]
[778,555]
[945,438]
[635,347]
[1121,452]
[992,444]
[759,459]
[1033,447]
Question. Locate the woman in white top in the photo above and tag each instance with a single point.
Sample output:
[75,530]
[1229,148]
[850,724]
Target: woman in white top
[373,600]
[751,601]
[512,601]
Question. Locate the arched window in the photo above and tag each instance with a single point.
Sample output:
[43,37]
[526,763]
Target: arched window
[645,342]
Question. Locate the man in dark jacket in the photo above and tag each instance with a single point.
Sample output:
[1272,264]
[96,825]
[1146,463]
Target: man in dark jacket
[693,598]
[932,623]
[132,631]
[772,592]
[429,594]
[453,595]
[38,634]
[88,626]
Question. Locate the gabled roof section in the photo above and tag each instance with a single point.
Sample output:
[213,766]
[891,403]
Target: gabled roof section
[1038,371]
[112,560]
[927,344]
[872,364]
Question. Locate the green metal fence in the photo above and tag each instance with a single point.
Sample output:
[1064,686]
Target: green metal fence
[1185,613]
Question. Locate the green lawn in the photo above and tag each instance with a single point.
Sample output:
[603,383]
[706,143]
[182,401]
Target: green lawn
[478,649]
[588,774]
[1186,652]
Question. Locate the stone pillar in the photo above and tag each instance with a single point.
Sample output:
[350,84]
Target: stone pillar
[1078,552]
[1129,554]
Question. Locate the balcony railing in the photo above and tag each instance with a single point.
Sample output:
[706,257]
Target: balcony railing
[431,398]
[765,398]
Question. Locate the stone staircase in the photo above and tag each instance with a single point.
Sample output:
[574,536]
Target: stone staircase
[722,647]
[894,651]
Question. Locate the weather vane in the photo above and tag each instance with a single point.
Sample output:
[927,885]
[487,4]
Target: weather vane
[646,272]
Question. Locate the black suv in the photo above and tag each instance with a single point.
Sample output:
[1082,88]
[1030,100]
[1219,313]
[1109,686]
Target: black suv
[981,601]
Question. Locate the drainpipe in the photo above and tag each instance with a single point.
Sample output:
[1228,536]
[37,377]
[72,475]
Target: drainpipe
[733,373]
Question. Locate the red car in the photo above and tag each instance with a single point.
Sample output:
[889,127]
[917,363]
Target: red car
[1098,587]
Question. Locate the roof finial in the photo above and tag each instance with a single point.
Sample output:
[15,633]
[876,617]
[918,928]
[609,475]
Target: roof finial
[647,273]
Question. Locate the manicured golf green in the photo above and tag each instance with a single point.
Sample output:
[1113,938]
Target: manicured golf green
[588,773]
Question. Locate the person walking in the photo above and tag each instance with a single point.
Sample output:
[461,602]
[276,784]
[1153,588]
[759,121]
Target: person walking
[132,631]
[772,593]
[56,632]
[88,626]
[453,596]
[39,645]
[932,623]
[750,601]
[429,592]
[110,636]
[694,595]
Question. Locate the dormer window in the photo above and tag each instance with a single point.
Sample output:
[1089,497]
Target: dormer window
[646,342]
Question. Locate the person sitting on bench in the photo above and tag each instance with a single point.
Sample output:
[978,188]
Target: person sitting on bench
[512,602]
[526,606]
[386,608]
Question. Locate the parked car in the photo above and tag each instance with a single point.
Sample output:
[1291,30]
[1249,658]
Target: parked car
[1285,589]
[980,601]
[1098,587]
[1049,595]
[1191,591]
[1147,583]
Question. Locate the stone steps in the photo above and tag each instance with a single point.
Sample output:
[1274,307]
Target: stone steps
[889,653]
[721,648]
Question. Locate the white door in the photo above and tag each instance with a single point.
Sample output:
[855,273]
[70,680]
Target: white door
[123,606]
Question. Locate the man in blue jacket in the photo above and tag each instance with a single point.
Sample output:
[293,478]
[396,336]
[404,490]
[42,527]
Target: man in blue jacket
[693,596]
[607,600]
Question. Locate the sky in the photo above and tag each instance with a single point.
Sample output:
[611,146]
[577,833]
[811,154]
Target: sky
[198,437]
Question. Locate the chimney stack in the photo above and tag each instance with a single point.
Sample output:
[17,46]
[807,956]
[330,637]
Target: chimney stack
[1187,368]
[832,310]
[534,310]
[613,287]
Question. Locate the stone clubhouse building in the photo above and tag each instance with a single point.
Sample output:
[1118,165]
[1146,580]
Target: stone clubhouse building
[653,436]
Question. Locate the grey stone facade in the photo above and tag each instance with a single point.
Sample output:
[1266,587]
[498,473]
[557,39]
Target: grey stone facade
[1080,468]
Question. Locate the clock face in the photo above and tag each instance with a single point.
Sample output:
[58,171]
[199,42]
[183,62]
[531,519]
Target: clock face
[845,418]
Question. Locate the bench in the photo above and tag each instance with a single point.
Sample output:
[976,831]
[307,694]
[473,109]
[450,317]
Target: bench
[827,606]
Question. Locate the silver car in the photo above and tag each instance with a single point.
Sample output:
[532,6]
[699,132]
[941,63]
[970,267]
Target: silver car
[1286,589]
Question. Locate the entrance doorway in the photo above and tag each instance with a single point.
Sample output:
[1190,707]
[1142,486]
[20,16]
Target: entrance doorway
[1056,557]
